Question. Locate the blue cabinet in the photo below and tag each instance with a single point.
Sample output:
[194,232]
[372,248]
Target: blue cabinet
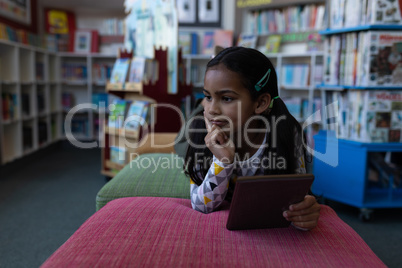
[343,175]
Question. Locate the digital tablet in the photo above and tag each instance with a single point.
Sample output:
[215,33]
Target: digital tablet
[258,202]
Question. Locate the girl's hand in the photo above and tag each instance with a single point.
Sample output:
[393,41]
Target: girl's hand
[217,141]
[304,215]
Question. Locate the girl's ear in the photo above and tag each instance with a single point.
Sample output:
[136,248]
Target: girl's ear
[263,102]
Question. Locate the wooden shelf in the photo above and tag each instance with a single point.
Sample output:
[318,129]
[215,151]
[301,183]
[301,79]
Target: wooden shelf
[112,165]
[128,133]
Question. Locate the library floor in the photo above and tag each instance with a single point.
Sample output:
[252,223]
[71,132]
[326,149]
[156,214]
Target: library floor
[45,197]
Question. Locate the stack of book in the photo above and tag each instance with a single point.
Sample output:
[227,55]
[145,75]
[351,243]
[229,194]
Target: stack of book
[101,72]
[367,58]
[72,71]
[188,42]
[351,13]
[290,19]
[295,75]
[367,116]
[299,108]
[67,100]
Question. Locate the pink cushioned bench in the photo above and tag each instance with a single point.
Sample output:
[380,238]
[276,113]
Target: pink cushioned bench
[167,232]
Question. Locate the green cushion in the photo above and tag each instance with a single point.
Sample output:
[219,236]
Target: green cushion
[148,175]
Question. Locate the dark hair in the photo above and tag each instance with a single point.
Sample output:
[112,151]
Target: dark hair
[251,65]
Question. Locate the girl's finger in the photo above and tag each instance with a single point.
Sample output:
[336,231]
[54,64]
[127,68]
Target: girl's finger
[208,124]
[308,202]
[220,138]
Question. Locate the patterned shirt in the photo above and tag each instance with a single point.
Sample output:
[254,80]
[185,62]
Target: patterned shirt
[218,184]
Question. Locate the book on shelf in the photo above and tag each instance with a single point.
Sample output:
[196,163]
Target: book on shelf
[74,71]
[22,36]
[315,42]
[197,74]
[117,113]
[385,54]
[337,15]
[112,26]
[273,43]
[188,42]
[101,99]
[223,38]
[10,105]
[120,70]
[369,116]
[294,105]
[208,44]
[80,125]
[247,40]
[118,155]
[137,114]
[299,18]
[370,58]
[51,42]
[137,68]
[11,34]
[316,108]
[101,72]
[295,75]
[299,107]
[333,58]
[67,100]
[352,13]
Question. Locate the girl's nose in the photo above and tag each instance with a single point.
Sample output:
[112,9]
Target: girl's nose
[214,108]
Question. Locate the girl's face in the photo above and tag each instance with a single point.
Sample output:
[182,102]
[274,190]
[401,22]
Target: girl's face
[227,102]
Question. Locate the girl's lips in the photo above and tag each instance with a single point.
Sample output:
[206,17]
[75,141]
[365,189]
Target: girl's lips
[217,122]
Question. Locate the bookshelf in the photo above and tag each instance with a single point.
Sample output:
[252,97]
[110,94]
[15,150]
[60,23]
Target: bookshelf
[195,68]
[30,91]
[163,120]
[299,57]
[359,169]
[120,138]
[84,79]
[299,76]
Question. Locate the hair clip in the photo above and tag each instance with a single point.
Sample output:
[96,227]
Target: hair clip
[272,102]
[259,84]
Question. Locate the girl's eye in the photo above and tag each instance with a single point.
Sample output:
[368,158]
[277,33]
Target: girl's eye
[208,98]
[227,99]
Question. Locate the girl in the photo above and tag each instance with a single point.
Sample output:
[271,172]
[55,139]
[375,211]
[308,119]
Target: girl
[245,129]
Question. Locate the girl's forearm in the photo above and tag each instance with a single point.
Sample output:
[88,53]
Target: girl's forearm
[208,196]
